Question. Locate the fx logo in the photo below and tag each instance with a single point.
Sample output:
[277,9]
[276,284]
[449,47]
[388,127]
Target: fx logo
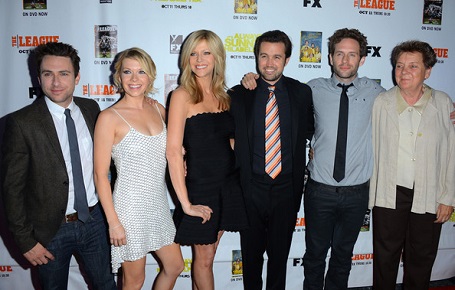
[34,92]
[316,3]
[375,49]
[175,42]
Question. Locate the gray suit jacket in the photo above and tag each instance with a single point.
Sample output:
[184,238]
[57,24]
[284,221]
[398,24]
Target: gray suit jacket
[34,175]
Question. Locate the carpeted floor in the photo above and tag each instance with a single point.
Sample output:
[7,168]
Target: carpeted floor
[447,284]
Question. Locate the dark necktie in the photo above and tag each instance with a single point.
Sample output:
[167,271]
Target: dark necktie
[272,136]
[340,151]
[80,197]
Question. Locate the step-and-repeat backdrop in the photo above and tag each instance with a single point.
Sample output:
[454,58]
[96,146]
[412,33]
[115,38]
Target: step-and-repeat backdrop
[101,28]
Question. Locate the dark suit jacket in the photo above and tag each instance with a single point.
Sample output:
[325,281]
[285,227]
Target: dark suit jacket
[302,118]
[35,179]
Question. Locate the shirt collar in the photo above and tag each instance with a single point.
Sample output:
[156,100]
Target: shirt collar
[419,105]
[263,85]
[335,81]
[56,109]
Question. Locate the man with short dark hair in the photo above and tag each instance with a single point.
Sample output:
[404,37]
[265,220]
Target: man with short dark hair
[48,190]
[336,195]
[272,124]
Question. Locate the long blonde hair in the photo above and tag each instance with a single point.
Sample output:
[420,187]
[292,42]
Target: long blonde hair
[188,79]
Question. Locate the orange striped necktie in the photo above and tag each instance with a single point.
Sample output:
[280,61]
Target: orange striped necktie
[272,136]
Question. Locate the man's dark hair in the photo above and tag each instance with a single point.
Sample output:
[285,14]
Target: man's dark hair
[56,49]
[274,36]
[344,33]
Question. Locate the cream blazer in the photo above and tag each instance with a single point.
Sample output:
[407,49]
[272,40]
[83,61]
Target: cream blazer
[435,154]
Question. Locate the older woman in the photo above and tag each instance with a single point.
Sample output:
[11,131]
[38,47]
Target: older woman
[413,184]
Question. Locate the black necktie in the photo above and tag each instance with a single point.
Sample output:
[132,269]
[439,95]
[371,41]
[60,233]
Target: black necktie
[340,151]
[80,197]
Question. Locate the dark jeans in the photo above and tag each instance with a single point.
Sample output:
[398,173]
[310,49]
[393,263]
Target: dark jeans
[333,218]
[89,241]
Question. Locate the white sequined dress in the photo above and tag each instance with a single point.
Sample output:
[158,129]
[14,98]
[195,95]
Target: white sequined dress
[140,195]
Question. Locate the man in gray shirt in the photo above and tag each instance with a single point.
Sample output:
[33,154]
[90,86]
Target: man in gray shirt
[336,200]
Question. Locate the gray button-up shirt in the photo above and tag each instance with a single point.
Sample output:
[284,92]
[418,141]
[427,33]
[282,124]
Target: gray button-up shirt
[359,152]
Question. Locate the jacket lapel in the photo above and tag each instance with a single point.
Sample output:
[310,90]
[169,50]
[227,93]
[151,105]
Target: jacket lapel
[47,123]
[429,114]
[249,115]
[294,115]
[391,108]
[89,121]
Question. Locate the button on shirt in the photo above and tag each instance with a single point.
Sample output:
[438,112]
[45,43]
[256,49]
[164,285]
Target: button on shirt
[359,151]
[85,143]
[409,120]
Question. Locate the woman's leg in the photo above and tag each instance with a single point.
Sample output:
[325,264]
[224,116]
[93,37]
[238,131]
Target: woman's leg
[133,274]
[203,265]
[172,262]
[420,250]
[389,234]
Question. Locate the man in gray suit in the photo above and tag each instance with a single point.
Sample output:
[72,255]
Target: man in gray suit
[40,180]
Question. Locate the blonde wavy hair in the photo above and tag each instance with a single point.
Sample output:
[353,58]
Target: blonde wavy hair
[144,60]
[188,79]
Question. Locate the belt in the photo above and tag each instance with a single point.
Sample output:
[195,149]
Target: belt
[72,217]
[339,189]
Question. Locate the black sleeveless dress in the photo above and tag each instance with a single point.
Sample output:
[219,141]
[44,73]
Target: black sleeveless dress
[211,180]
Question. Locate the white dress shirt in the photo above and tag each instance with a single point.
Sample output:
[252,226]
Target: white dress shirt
[85,149]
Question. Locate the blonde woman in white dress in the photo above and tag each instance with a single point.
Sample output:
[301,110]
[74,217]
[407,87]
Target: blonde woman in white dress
[133,132]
